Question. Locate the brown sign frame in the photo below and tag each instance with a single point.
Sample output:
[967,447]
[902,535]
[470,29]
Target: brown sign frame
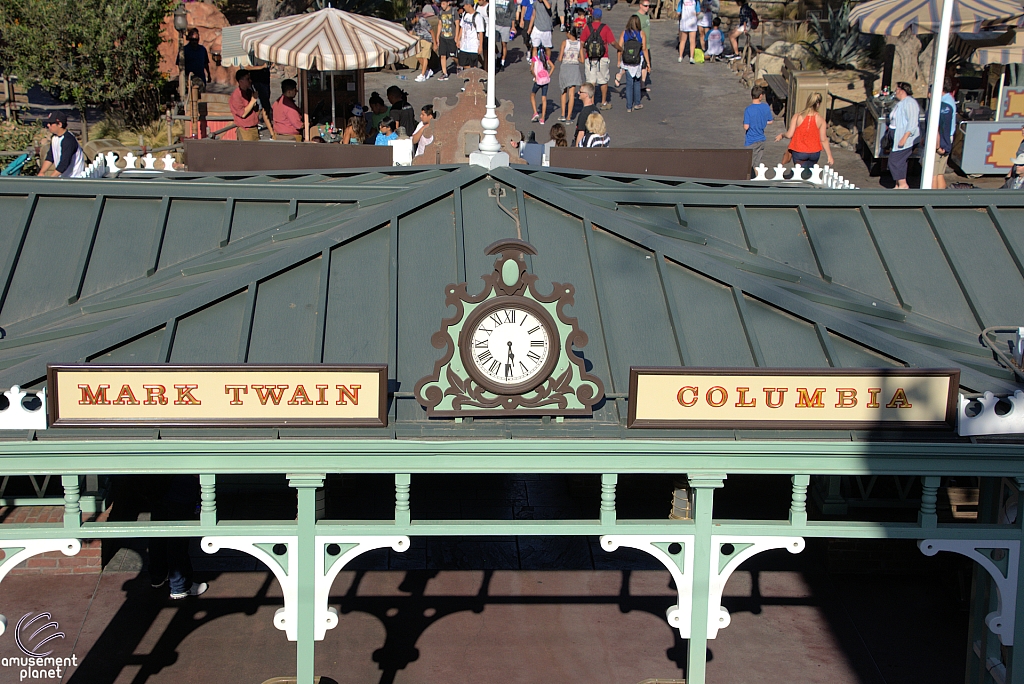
[56,421]
[948,423]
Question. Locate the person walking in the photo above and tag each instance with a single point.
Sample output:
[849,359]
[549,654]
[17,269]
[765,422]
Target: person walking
[444,38]
[745,24]
[596,37]
[570,72]
[947,128]
[470,36]
[542,67]
[643,14]
[504,15]
[634,47]
[421,30]
[905,120]
[687,10]
[705,17]
[541,25]
[597,132]
[756,117]
[808,134]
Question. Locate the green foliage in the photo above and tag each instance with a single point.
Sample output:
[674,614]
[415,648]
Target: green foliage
[88,51]
[840,44]
[15,136]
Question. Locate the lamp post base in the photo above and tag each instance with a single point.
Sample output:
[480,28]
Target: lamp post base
[488,160]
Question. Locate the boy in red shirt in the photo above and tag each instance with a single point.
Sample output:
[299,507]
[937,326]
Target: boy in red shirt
[596,71]
[244,107]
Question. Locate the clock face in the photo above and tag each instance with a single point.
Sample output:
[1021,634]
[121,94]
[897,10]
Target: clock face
[512,347]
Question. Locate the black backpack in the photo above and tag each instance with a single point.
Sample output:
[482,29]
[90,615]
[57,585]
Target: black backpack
[631,50]
[594,45]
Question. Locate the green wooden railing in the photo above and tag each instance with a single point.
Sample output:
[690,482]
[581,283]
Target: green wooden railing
[307,553]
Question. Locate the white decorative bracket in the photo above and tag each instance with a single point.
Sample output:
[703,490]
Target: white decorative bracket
[679,565]
[723,565]
[329,565]
[283,566]
[987,421]
[17,417]
[18,550]
[1001,620]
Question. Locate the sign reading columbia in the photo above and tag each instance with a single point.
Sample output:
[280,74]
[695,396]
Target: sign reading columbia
[271,396]
[864,398]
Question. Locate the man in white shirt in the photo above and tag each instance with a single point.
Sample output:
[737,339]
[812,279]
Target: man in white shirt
[471,35]
[65,158]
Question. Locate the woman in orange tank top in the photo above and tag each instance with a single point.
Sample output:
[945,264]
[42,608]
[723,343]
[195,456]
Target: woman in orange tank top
[808,134]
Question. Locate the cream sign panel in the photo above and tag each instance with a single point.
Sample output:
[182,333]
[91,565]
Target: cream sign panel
[687,397]
[218,395]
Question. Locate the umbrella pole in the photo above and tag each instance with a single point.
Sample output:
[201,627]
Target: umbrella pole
[305,101]
[334,118]
[931,135]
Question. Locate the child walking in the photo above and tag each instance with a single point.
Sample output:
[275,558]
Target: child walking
[570,72]
[542,68]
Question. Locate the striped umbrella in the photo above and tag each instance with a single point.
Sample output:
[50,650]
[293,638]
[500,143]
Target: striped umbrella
[1001,54]
[893,17]
[329,40]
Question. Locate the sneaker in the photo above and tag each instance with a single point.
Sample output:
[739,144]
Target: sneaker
[628,110]
[680,59]
[442,77]
[639,106]
[535,119]
[421,78]
[732,58]
[196,589]
[542,122]
[606,106]
[693,61]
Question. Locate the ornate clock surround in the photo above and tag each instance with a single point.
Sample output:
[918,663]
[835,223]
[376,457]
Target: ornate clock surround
[564,386]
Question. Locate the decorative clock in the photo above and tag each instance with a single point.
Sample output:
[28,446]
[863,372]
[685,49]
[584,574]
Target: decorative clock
[509,349]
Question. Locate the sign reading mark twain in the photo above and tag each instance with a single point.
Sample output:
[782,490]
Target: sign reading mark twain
[783,398]
[271,396]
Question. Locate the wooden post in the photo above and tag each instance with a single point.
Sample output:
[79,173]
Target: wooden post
[85,126]
[170,127]
[303,76]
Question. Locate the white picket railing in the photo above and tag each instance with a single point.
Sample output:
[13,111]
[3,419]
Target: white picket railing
[110,161]
[824,176]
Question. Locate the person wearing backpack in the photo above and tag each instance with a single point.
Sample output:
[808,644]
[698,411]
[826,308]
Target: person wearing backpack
[541,25]
[542,68]
[634,47]
[748,21]
[470,36]
[596,38]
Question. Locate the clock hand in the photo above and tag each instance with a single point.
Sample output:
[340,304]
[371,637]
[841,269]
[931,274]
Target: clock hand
[511,360]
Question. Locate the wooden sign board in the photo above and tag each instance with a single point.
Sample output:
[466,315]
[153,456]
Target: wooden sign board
[241,395]
[746,398]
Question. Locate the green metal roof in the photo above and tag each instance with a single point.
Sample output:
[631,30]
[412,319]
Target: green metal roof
[350,268]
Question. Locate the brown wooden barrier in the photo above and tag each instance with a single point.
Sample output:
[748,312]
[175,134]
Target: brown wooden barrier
[714,164]
[267,155]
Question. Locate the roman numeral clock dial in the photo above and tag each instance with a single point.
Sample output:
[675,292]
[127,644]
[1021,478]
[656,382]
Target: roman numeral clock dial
[512,346]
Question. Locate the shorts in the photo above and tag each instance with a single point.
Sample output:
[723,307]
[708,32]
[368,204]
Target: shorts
[742,28]
[542,88]
[941,161]
[541,38]
[898,162]
[504,33]
[756,153]
[425,48]
[596,72]
[248,134]
[446,47]
[801,157]
[469,59]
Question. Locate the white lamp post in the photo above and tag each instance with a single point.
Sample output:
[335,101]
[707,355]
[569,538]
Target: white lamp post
[932,128]
[489,154]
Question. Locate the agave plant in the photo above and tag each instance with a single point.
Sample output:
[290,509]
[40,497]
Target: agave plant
[840,44]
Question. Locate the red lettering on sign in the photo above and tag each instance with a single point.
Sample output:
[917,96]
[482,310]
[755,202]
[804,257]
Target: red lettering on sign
[97,397]
[812,401]
[683,401]
[272,392]
[351,393]
[768,391]
[873,397]
[722,394]
[185,397]
[234,391]
[742,391]
[899,400]
[126,397]
[299,397]
[847,397]
[155,395]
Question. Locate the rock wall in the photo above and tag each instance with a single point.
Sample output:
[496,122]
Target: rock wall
[209,20]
